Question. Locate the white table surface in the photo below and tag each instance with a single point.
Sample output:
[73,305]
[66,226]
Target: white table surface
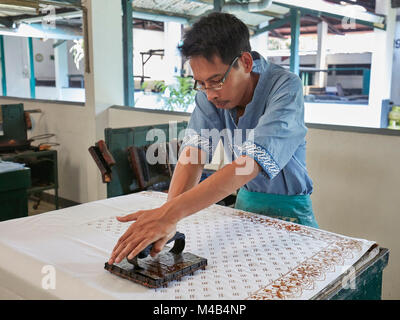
[249,256]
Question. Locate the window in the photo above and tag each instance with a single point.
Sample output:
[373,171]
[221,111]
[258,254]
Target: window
[42,69]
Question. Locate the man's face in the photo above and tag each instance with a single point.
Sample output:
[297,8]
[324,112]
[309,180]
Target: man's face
[210,73]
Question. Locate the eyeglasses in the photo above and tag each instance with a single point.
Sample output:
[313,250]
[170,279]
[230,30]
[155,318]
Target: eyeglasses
[217,85]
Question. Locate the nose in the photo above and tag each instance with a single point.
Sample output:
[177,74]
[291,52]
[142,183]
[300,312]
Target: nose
[211,94]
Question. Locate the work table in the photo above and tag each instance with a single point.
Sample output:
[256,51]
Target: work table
[249,256]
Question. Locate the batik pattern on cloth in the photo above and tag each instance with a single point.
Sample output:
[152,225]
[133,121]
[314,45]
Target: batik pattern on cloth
[250,256]
[313,269]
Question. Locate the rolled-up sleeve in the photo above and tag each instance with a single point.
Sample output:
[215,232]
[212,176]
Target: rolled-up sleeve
[280,130]
[203,128]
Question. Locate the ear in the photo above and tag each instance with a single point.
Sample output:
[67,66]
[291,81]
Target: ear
[247,61]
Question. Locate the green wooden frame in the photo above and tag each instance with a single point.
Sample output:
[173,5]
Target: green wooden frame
[127,37]
[32,81]
[3,67]
[295,16]
[118,140]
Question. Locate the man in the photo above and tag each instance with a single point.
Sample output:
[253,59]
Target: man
[238,91]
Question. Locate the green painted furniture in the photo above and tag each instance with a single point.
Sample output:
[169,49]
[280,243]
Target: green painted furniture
[44,169]
[13,122]
[118,140]
[13,195]
[362,282]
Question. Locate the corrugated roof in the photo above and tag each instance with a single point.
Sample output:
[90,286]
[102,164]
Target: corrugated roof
[11,10]
[187,9]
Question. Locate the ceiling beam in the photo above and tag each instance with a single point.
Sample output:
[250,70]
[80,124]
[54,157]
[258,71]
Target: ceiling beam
[62,13]
[276,34]
[6,10]
[331,27]
[36,4]
[21,3]
[158,15]
[273,25]
[319,8]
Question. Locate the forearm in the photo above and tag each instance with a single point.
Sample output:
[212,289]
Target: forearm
[187,172]
[213,189]
[185,177]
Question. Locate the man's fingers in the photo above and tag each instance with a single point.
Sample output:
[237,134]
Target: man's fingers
[120,247]
[121,240]
[115,254]
[129,232]
[147,229]
[125,251]
[141,246]
[127,247]
[158,246]
[129,217]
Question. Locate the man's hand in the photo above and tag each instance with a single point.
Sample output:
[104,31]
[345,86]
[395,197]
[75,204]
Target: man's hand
[151,226]
[159,225]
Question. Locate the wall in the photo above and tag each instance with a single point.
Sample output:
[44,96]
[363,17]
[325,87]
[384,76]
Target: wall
[17,66]
[44,70]
[341,114]
[68,94]
[121,117]
[356,190]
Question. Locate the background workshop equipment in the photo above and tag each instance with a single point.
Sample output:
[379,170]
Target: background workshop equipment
[16,147]
[123,165]
[14,183]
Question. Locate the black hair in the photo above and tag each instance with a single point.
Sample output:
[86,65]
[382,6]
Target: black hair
[219,34]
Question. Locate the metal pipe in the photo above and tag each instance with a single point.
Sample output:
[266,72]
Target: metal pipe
[127,36]
[85,21]
[57,16]
[3,67]
[36,4]
[294,44]
[218,4]
[32,68]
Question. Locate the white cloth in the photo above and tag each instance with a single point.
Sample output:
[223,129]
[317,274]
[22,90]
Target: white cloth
[6,166]
[249,256]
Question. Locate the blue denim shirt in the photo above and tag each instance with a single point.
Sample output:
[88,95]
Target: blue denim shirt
[277,141]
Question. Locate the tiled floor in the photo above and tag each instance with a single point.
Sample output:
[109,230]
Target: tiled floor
[43,207]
